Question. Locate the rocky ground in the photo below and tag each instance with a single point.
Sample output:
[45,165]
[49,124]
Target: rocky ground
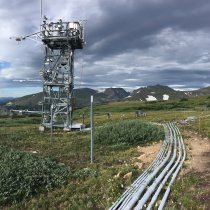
[147,154]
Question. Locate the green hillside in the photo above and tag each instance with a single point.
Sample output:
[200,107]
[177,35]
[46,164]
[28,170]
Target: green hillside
[81,99]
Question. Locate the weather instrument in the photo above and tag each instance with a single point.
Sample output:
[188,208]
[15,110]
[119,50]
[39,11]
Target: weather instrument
[60,40]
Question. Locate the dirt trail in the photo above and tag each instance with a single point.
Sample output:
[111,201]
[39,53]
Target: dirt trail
[198,150]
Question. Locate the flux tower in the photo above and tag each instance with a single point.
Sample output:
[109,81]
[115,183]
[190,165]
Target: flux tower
[60,40]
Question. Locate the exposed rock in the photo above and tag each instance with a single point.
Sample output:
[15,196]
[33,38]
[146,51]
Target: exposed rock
[128,175]
[117,176]
[139,165]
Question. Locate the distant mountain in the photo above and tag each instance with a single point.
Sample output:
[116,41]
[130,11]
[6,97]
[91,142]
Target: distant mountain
[156,93]
[200,92]
[4,100]
[26,102]
[82,96]
[116,93]
[160,92]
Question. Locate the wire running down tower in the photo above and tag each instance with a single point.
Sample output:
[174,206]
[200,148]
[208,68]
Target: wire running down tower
[61,39]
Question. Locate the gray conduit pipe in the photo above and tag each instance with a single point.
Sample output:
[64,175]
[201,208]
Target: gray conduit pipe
[131,189]
[152,188]
[163,201]
[127,196]
[135,187]
[148,179]
[155,196]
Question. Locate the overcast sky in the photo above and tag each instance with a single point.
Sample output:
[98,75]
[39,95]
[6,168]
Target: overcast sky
[130,43]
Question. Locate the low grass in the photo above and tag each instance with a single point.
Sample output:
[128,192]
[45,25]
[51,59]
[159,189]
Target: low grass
[94,186]
[185,192]
[88,186]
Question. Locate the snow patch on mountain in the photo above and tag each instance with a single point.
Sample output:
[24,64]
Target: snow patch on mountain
[128,97]
[151,98]
[165,97]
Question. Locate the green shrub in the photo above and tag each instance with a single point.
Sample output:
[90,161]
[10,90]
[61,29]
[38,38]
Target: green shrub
[24,174]
[85,173]
[183,99]
[128,132]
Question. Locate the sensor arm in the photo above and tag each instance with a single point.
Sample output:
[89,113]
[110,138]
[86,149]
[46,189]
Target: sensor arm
[20,38]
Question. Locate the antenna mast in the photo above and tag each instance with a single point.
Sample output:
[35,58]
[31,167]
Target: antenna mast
[40,14]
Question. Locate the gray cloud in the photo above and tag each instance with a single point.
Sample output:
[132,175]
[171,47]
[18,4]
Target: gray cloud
[129,43]
[128,25]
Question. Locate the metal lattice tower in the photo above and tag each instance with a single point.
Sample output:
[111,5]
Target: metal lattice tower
[60,40]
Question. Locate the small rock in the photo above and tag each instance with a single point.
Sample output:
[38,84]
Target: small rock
[128,175]
[117,176]
[139,165]
[141,156]
[158,203]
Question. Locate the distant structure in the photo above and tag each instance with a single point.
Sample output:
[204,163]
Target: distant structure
[60,39]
